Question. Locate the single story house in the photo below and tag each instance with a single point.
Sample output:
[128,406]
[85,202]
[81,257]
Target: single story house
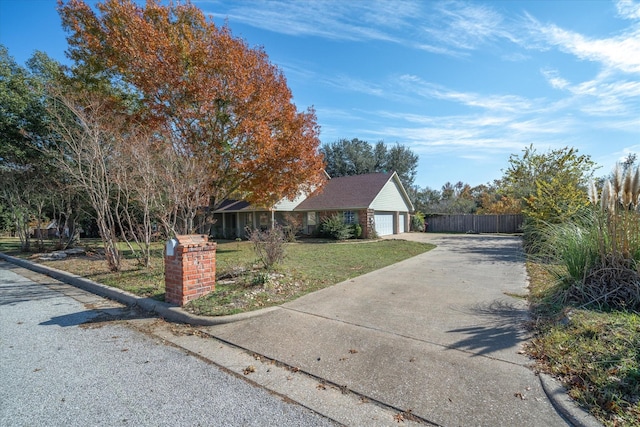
[233,217]
[377,201]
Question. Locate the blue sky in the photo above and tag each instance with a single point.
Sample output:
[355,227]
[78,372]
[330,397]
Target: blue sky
[463,84]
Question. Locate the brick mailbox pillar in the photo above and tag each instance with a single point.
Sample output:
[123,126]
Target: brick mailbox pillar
[189,268]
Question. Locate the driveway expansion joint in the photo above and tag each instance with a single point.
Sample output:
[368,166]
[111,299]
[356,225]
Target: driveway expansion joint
[408,337]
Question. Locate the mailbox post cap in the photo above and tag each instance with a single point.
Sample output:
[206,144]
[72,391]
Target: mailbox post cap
[192,239]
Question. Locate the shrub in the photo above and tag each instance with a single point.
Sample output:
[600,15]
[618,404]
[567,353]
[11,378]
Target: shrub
[293,226]
[268,245]
[373,234]
[335,228]
[356,230]
[260,279]
[417,222]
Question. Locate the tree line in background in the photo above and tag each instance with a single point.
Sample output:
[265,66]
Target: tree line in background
[549,186]
[160,114]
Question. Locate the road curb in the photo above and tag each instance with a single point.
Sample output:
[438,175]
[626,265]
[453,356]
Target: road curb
[570,411]
[163,309]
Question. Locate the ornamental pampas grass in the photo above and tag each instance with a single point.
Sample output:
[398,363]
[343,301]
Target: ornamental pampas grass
[617,180]
[635,185]
[593,193]
[627,192]
[608,199]
[599,252]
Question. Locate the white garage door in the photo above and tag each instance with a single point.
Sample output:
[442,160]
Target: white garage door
[384,223]
[403,222]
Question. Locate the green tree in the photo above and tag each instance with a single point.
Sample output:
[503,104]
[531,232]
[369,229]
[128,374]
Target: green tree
[380,156]
[5,218]
[448,191]
[348,157]
[404,162]
[552,186]
[21,111]
[491,200]
[452,199]
[425,198]
[355,157]
[629,161]
[31,189]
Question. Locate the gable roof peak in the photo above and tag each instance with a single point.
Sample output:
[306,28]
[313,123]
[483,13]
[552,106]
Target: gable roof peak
[347,192]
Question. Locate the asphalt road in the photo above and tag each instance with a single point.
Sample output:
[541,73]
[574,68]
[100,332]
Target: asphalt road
[63,364]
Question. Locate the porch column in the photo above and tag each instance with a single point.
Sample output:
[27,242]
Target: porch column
[224,224]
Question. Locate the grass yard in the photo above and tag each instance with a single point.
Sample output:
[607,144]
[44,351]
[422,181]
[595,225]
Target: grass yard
[595,354]
[241,284]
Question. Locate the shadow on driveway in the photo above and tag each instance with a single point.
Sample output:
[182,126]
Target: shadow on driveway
[488,248]
[502,330]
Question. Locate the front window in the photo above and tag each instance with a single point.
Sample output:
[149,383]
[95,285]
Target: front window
[349,217]
[264,219]
[311,218]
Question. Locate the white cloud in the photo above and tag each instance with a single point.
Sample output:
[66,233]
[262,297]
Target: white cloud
[351,84]
[602,96]
[554,79]
[465,25]
[628,9]
[504,123]
[337,114]
[477,134]
[515,57]
[488,102]
[415,84]
[620,52]
[631,125]
[438,50]
[353,21]
[609,89]
[447,28]
[542,126]
[480,120]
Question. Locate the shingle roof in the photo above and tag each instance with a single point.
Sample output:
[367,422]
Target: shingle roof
[346,192]
[231,205]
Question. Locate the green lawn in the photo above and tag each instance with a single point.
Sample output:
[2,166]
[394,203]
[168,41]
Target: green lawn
[242,284]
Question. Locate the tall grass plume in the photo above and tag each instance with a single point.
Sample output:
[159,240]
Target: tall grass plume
[596,256]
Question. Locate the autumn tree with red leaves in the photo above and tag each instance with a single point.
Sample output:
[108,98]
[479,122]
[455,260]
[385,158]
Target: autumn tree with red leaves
[222,102]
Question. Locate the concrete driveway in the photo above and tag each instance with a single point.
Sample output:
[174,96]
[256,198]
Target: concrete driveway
[439,335]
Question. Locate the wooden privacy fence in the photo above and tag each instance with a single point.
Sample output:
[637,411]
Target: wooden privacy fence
[474,223]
